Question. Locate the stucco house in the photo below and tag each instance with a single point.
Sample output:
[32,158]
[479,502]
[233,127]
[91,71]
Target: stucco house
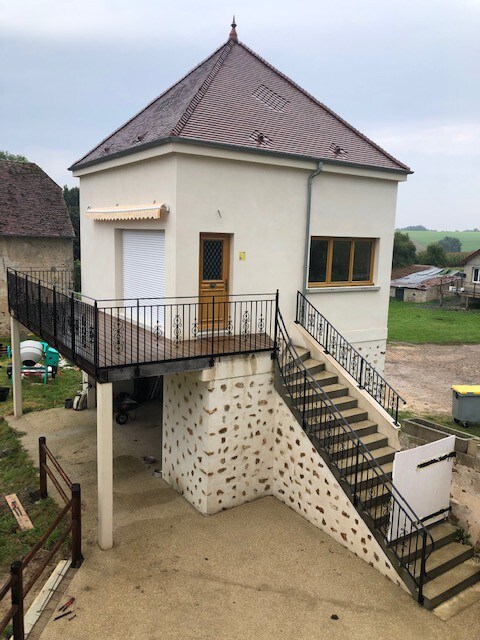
[237,242]
[471,266]
[35,228]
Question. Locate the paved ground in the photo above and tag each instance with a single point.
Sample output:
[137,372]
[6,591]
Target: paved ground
[258,571]
[424,373]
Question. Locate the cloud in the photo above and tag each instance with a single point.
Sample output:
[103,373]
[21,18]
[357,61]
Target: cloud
[459,139]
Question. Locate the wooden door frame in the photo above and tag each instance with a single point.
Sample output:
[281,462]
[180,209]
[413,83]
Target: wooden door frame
[226,256]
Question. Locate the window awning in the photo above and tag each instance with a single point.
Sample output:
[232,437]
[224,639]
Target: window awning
[133,212]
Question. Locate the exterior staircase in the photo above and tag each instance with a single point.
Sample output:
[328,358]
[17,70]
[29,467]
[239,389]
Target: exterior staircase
[429,560]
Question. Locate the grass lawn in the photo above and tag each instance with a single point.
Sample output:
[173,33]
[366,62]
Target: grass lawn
[17,474]
[422,324]
[470,239]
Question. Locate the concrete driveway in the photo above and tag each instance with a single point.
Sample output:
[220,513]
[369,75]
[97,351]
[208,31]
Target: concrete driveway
[258,571]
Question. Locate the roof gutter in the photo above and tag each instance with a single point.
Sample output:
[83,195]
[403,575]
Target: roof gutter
[308,223]
[232,147]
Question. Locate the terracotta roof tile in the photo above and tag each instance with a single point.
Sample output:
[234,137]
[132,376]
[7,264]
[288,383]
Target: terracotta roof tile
[31,203]
[236,98]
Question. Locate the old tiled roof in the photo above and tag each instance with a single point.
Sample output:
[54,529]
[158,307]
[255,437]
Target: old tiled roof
[467,258]
[31,203]
[236,98]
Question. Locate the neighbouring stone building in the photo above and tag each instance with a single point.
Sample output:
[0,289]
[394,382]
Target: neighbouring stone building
[35,229]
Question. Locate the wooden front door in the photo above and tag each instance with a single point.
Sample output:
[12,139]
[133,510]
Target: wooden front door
[214,274]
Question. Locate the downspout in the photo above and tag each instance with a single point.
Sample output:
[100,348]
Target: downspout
[307,225]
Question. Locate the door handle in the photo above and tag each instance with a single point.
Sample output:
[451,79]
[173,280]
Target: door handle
[212,286]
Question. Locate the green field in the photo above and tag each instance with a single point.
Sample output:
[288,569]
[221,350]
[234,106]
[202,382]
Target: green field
[420,324]
[470,239]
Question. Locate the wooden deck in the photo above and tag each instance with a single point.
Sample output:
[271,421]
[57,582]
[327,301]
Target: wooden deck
[103,337]
[126,350]
[131,344]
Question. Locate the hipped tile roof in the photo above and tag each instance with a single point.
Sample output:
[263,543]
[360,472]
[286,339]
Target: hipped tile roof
[31,203]
[236,98]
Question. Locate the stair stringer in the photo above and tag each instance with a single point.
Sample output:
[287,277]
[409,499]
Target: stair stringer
[385,422]
[304,479]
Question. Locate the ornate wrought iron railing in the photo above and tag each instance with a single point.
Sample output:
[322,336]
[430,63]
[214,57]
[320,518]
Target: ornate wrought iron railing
[372,490]
[347,356]
[105,334]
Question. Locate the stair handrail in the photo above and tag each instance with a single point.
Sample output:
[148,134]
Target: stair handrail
[356,365]
[417,526]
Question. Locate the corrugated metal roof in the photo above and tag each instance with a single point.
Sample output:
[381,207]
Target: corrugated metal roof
[429,277]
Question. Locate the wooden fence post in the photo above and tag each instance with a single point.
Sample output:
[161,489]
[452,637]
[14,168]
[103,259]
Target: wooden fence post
[17,600]
[42,460]
[77,557]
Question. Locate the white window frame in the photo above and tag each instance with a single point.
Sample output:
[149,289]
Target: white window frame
[477,279]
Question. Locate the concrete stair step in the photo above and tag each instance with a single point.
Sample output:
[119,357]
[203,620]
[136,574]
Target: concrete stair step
[382,456]
[303,354]
[410,548]
[443,559]
[294,372]
[314,365]
[372,442]
[314,407]
[450,583]
[355,417]
[369,478]
[322,377]
[380,514]
[376,495]
[332,390]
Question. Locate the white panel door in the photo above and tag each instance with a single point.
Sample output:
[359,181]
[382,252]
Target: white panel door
[144,275]
[423,477]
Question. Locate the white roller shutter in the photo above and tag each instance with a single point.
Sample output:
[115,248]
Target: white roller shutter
[144,271]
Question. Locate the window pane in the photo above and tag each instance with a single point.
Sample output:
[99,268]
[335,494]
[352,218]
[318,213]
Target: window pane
[212,259]
[318,260]
[361,260]
[341,260]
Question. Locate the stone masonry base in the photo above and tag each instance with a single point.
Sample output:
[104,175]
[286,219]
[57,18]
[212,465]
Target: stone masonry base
[229,438]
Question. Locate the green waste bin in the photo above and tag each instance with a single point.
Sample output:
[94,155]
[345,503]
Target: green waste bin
[466,404]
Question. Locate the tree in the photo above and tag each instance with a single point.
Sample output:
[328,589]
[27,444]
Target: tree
[417,227]
[6,155]
[72,200]
[434,255]
[404,251]
[451,244]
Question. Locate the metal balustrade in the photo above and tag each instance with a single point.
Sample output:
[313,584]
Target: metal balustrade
[347,356]
[372,491]
[99,335]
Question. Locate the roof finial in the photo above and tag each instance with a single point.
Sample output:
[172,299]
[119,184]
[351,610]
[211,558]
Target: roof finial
[233,33]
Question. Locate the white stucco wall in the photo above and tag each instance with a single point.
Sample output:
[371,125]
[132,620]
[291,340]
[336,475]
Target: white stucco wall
[153,180]
[261,202]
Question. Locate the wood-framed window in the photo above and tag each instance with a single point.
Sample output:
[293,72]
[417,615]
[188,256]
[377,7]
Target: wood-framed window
[340,262]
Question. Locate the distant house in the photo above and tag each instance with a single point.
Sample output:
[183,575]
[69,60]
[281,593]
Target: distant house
[420,282]
[35,229]
[471,266]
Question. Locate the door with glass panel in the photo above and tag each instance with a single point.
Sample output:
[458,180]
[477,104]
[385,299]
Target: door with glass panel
[214,275]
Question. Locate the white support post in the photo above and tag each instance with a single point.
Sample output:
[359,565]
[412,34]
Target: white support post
[105,464]
[90,384]
[16,367]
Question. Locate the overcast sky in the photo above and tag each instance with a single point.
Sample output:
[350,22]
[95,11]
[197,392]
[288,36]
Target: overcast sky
[404,72]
